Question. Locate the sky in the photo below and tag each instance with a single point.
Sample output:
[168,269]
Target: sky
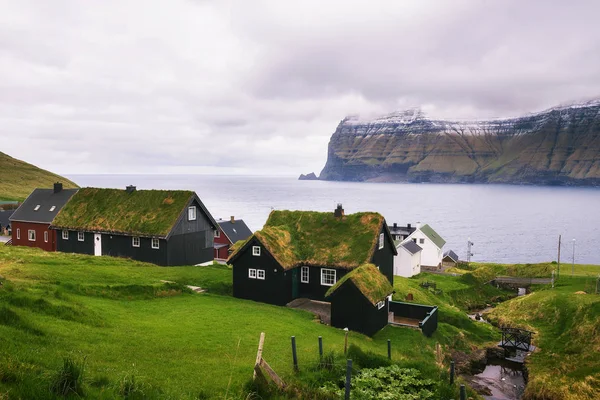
[258,87]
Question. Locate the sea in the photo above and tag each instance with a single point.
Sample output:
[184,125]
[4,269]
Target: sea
[506,223]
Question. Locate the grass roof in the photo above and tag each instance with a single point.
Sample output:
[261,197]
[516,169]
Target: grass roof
[297,238]
[368,280]
[142,212]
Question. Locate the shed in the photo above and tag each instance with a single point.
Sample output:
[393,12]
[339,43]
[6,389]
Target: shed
[450,259]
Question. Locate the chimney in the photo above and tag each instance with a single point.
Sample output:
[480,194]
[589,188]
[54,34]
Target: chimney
[232,219]
[418,225]
[57,187]
[130,189]
[408,226]
[395,225]
[339,211]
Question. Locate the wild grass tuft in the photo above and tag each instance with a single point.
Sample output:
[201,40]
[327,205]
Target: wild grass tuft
[68,379]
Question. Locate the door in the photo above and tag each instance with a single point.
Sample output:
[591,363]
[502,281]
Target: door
[97,244]
[295,283]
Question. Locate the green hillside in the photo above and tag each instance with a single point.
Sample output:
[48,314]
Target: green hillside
[18,178]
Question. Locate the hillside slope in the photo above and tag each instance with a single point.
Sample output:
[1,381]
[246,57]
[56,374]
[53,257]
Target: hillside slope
[18,178]
[559,146]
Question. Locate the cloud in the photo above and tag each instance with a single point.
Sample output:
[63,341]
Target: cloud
[257,87]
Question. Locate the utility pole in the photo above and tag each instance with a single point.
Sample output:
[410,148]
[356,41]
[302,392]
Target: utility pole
[573,264]
[469,253]
[558,272]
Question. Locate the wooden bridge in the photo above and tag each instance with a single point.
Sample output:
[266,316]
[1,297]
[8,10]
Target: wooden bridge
[517,344]
[521,282]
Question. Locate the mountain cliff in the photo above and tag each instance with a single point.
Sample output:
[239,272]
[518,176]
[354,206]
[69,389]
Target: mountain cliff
[18,178]
[559,146]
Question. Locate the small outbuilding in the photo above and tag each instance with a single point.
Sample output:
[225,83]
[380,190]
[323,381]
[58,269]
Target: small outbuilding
[5,222]
[408,261]
[229,232]
[359,300]
[450,259]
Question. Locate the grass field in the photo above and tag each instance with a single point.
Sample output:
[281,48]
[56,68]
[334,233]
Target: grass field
[541,270]
[128,326]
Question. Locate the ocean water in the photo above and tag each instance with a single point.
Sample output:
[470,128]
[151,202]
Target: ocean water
[507,223]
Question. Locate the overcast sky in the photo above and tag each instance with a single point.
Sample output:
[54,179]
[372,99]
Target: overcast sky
[183,86]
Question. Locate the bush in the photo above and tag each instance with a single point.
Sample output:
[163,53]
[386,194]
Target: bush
[69,378]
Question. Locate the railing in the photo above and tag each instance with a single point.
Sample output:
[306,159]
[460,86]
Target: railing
[426,315]
[9,243]
[429,324]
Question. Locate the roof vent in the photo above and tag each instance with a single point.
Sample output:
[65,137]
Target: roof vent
[130,189]
[339,211]
[58,187]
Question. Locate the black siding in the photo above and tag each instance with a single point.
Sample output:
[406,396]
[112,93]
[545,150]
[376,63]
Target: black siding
[72,245]
[351,309]
[276,288]
[188,249]
[122,246]
[313,289]
[384,258]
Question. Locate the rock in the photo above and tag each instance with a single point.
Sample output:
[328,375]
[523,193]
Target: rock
[560,146]
[308,177]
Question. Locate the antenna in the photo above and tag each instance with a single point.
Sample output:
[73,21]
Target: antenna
[469,252]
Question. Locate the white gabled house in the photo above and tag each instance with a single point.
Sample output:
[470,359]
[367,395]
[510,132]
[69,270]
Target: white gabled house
[408,261]
[431,243]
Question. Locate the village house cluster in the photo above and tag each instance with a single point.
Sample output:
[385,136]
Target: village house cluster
[339,266]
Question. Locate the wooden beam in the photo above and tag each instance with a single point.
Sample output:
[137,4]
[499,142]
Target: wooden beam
[278,381]
[261,343]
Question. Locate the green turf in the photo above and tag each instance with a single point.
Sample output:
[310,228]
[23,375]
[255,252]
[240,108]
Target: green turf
[368,280]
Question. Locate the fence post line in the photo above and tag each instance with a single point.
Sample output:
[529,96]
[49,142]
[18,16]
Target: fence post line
[389,349]
[346,341]
[348,378]
[294,355]
[463,392]
[452,372]
[321,348]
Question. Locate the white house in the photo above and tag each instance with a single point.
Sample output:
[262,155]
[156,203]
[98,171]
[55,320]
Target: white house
[431,243]
[408,261]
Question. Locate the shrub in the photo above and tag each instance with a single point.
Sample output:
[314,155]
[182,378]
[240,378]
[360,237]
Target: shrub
[69,378]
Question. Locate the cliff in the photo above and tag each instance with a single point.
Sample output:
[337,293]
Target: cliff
[559,146]
[18,178]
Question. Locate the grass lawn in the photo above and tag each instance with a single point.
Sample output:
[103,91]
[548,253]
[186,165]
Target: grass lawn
[128,326]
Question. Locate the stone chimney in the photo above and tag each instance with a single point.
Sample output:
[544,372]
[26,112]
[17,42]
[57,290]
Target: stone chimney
[395,225]
[57,187]
[408,226]
[339,211]
[232,219]
[130,189]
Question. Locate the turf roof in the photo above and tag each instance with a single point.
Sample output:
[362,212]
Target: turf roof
[297,238]
[141,212]
[369,281]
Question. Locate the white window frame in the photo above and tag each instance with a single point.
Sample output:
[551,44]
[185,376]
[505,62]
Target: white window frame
[260,274]
[381,240]
[303,270]
[252,273]
[19,233]
[155,243]
[45,236]
[80,236]
[217,233]
[52,208]
[31,235]
[192,213]
[327,272]
[256,251]
[65,234]
[380,305]
[133,241]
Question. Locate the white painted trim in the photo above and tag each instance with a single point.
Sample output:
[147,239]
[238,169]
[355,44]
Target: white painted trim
[45,236]
[256,251]
[157,241]
[260,272]
[133,240]
[65,234]
[323,270]
[80,236]
[31,237]
[302,269]
[381,240]
[18,233]
[192,213]
[252,273]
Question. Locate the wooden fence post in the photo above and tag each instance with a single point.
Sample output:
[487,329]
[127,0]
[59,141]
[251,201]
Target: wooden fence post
[348,378]
[321,348]
[389,349]
[346,341]
[294,355]
[261,343]
[463,392]
[452,372]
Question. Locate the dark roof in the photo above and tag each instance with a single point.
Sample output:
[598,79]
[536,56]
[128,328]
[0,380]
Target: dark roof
[140,212]
[46,199]
[402,230]
[411,246]
[431,234]
[238,230]
[368,280]
[4,216]
[452,255]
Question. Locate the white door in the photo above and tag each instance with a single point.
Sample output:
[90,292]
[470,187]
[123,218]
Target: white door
[97,244]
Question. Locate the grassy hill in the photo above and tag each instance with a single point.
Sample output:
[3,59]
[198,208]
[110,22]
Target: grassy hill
[20,178]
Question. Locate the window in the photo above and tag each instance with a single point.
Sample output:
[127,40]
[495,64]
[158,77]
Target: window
[381,241]
[192,213]
[252,273]
[260,274]
[65,235]
[421,241]
[217,233]
[80,236]
[52,208]
[415,240]
[36,208]
[18,233]
[380,305]
[304,274]
[155,243]
[327,277]
[31,235]
[256,250]
[135,241]
[46,236]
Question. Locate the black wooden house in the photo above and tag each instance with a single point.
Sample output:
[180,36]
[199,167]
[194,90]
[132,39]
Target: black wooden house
[302,254]
[164,227]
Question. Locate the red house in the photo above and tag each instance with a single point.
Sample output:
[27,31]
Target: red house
[30,223]
[228,233]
